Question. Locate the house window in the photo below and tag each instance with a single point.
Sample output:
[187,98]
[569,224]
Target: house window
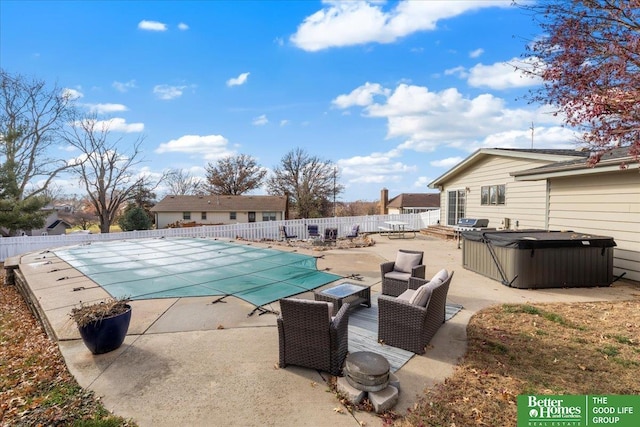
[268,216]
[492,195]
[232,215]
[456,206]
[186,215]
[203,216]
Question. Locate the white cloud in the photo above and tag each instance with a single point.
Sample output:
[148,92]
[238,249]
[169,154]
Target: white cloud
[460,71]
[260,120]
[445,163]
[124,86]
[72,94]
[476,53]
[237,81]
[424,120]
[341,24]
[168,92]
[106,108]
[543,137]
[116,124]
[152,26]
[375,168]
[211,147]
[68,148]
[360,96]
[502,75]
[422,182]
[284,122]
[183,27]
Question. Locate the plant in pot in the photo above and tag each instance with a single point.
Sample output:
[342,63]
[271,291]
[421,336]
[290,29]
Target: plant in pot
[103,326]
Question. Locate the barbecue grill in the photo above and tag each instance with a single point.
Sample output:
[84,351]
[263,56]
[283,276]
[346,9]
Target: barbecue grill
[470,224]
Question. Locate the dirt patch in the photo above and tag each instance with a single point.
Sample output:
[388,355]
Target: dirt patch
[319,245]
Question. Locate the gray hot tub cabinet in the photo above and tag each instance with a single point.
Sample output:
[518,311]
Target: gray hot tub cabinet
[539,258]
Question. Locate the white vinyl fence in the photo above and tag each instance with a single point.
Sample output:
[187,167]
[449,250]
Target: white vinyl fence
[256,231]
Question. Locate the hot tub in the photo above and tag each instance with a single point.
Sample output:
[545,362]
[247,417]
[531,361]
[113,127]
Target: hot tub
[539,258]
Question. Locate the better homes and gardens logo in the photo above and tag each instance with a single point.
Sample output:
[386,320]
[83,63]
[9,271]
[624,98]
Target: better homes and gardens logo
[578,411]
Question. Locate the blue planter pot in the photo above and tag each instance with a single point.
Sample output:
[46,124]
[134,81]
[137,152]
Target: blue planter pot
[107,334]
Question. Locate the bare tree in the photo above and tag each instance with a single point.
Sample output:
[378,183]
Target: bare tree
[78,212]
[357,208]
[106,173]
[31,118]
[181,183]
[310,182]
[235,175]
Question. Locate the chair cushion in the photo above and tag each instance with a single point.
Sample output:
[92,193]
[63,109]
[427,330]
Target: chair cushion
[330,304]
[422,295]
[406,261]
[397,275]
[406,295]
[441,275]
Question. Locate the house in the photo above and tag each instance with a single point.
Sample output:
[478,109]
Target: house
[550,190]
[219,209]
[53,225]
[406,203]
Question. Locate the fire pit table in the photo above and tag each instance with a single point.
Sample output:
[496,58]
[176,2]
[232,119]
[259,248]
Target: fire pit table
[355,295]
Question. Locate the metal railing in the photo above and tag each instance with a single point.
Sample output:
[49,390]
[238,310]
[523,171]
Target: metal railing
[256,231]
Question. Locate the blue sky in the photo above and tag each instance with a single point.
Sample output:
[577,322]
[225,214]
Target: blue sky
[394,93]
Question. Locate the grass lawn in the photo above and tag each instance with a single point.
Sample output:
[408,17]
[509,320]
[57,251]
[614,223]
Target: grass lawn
[95,229]
[580,348]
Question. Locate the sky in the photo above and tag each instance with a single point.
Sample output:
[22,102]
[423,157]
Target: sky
[393,93]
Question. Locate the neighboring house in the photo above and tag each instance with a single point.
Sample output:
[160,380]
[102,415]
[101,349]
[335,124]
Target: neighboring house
[551,190]
[407,203]
[219,209]
[53,225]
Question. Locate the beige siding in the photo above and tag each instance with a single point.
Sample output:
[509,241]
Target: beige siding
[525,201]
[166,218]
[603,204]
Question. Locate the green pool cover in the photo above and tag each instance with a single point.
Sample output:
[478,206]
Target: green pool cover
[182,267]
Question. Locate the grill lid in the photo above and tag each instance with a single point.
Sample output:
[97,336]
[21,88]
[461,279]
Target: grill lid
[473,222]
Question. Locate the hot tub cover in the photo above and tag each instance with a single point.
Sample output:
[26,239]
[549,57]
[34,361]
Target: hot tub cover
[537,239]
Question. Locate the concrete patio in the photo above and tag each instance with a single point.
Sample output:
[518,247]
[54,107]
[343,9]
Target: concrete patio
[187,361]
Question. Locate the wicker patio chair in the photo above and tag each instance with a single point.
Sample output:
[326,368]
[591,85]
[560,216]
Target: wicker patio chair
[310,337]
[408,325]
[396,274]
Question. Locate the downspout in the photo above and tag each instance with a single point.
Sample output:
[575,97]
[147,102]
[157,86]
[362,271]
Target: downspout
[547,203]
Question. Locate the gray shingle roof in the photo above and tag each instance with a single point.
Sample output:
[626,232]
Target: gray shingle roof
[614,156]
[415,200]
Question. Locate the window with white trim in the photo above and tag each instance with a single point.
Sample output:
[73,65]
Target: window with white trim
[492,195]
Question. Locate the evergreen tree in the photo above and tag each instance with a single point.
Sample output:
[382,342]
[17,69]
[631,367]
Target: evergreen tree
[134,218]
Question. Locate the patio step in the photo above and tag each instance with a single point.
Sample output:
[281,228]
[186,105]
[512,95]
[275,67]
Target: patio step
[440,231]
